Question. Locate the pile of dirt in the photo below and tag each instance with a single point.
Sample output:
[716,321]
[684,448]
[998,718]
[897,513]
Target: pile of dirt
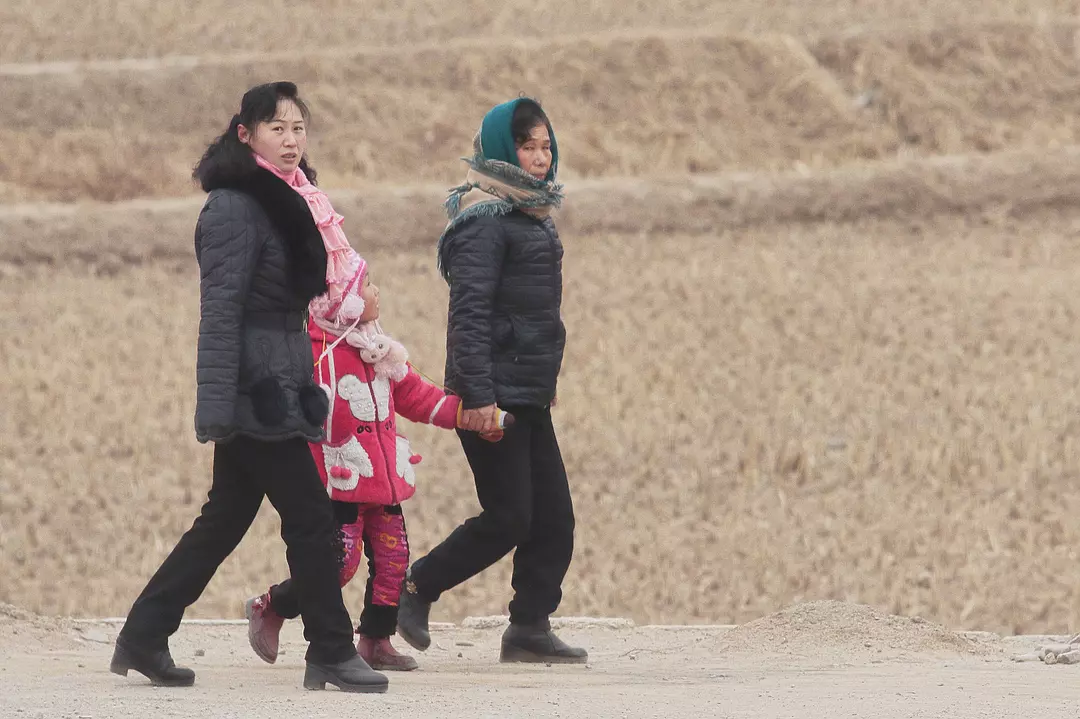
[18,626]
[841,631]
[10,614]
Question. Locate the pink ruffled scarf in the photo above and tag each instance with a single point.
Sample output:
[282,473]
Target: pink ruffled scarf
[338,311]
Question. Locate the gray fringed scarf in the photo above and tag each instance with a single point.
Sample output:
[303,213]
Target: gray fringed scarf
[493,188]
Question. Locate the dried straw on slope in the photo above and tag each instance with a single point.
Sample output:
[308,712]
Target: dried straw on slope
[632,104]
[1016,183]
[622,106]
[965,87]
[51,30]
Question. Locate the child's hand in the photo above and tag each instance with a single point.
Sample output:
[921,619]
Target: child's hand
[484,420]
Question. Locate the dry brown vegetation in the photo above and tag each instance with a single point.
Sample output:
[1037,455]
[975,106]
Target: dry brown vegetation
[56,30]
[637,104]
[851,379]
[861,411]
[1015,183]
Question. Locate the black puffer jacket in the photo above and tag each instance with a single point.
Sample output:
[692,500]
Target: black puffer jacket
[260,264]
[505,335]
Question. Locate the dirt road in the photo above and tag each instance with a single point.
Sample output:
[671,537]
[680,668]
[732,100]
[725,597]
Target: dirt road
[59,670]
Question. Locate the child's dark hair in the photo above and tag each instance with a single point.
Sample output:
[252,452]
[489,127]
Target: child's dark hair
[227,159]
[528,115]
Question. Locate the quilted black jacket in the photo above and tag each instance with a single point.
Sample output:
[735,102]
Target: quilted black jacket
[259,265]
[505,335]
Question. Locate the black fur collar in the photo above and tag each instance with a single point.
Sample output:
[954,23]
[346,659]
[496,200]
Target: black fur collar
[289,214]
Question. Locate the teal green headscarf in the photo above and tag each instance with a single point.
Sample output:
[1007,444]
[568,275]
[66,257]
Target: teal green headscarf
[497,141]
[496,184]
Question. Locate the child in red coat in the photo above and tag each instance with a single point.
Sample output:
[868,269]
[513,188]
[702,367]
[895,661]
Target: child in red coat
[366,466]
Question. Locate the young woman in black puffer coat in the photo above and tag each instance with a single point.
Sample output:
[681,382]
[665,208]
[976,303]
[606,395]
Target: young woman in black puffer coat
[261,260]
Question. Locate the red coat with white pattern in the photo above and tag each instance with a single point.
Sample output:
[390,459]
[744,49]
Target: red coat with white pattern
[363,459]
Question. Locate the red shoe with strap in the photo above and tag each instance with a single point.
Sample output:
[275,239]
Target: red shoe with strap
[264,627]
[381,655]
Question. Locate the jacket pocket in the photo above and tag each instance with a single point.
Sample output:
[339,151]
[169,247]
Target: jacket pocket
[268,402]
[314,404]
[502,332]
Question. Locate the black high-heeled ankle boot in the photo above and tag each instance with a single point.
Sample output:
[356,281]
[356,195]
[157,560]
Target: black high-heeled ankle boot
[351,675]
[537,643]
[155,664]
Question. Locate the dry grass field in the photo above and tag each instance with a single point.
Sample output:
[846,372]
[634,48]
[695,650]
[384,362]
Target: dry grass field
[806,362]
[860,411]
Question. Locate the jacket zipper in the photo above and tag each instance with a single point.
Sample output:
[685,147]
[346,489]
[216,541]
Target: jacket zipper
[378,438]
[557,313]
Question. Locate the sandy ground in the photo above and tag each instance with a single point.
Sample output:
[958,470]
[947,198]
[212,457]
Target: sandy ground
[840,663]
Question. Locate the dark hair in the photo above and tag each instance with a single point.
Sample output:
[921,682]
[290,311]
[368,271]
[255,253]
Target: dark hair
[528,115]
[227,159]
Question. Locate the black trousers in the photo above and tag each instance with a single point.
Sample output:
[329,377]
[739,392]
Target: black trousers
[525,500]
[245,470]
[378,621]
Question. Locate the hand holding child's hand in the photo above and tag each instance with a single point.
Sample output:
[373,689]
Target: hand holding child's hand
[482,419]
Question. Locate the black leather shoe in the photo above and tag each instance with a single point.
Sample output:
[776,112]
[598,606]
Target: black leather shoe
[351,675]
[412,622]
[155,665]
[537,643]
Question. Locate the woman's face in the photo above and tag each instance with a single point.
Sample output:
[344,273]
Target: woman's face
[282,140]
[534,155]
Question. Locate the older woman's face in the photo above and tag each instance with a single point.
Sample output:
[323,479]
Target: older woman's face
[280,141]
[534,155]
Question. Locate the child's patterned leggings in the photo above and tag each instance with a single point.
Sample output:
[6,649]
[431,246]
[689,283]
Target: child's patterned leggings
[378,532]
